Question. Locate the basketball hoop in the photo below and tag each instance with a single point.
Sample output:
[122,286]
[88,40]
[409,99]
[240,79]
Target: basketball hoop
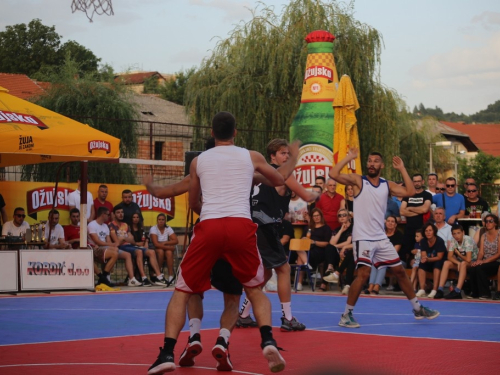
[90,7]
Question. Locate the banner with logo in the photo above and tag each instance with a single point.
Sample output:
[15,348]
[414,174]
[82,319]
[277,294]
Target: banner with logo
[8,271]
[56,269]
[37,199]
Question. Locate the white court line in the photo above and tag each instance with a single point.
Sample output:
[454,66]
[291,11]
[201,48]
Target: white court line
[115,364]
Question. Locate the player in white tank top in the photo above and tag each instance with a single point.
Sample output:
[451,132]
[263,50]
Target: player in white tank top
[226,175]
[370,241]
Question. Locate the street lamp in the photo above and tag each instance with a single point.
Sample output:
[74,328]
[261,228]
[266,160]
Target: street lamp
[445,144]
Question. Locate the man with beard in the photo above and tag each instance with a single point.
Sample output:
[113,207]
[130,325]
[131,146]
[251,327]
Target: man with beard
[415,208]
[371,245]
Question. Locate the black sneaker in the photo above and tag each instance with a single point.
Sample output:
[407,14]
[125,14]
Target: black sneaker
[271,352]
[193,348]
[146,282]
[221,354]
[496,296]
[164,363]
[158,282]
[104,280]
[291,325]
[454,295]
[247,322]
[439,294]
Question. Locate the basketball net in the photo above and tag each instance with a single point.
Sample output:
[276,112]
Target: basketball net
[91,7]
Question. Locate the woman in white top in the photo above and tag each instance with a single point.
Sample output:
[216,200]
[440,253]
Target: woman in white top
[164,240]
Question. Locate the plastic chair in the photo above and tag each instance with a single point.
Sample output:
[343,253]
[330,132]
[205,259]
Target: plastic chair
[301,244]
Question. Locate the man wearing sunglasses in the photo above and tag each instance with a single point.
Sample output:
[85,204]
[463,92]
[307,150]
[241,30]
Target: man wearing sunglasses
[468,181]
[16,227]
[473,202]
[453,203]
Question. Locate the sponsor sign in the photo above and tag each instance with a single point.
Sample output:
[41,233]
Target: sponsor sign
[149,203]
[8,271]
[7,117]
[314,160]
[319,71]
[56,269]
[99,146]
[42,199]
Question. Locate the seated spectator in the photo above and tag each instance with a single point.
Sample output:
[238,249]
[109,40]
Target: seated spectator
[488,259]
[440,188]
[444,229]
[3,212]
[478,234]
[100,201]
[415,262]
[120,233]
[105,251]
[297,209]
[474,203]
[312,205]
[72,231]
[468,181]
[451,201]
[98,233]
[138,232]
[330,203]
[164,240]
[377,275]
[461,252]
[341,238]
[56,231]
[16,227]
[320,237]
[432,254]
[74,202]
[348,202]
[321,182]
[129,207]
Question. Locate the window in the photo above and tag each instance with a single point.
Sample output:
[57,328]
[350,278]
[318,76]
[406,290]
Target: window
[159,150]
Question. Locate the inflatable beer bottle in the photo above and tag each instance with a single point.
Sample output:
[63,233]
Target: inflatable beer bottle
[313,123]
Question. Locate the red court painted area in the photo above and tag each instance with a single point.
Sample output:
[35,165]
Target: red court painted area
[308,352]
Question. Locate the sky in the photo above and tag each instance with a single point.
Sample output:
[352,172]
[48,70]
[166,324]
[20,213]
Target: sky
[443,53]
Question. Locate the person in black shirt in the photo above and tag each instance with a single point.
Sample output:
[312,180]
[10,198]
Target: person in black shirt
[129,207]
[474,203]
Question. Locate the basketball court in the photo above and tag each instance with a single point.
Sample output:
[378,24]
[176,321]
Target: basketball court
[120,333]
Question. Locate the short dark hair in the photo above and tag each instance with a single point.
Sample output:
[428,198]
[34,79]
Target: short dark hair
[160,215]
[432,174]
[127,191]
[74,211]
[457,227]
[320,178]
[417,175]
[420,231]
[53,212]
[316,186]
[117,207]
[434,228]
[275,145]
[18,209]
[451,178]
[472,184]
[102,186]
[375,153]
[223,126]
[101,210]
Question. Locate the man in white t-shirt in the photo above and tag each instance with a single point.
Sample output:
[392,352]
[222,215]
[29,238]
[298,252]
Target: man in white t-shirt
[56,240]
[432,182]
[74,202]
[16,227]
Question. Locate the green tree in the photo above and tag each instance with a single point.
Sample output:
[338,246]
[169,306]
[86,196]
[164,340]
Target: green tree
[88,62]
[26,48]
[484,169]
[86,100]
[174,89]
[151,85]
[257,74]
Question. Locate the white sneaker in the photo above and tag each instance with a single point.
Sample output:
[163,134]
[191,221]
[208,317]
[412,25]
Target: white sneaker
[134,282]
[332,278]
[345,291]
[432,294]
[390,288]
[421,293]
[299,287]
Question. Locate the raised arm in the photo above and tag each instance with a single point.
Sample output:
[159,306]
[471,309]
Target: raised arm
[347,179]
[401,191]
[274,177]
[168,191]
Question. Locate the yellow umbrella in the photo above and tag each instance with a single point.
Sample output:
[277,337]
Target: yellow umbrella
[30,134]
[345,134]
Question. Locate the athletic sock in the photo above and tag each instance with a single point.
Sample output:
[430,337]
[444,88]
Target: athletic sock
[458,290]
[348,308]
[286,308]
[194,326]
[440,288]
[144,278]
[266,333]
[169,344]
[245,308]
[416,305]
[170,278]
[160,276]
[225,333]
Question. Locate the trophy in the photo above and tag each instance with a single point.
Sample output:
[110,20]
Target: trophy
[43,222]
[32,230]
[37,233]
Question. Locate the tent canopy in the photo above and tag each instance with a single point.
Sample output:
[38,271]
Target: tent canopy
[30,134]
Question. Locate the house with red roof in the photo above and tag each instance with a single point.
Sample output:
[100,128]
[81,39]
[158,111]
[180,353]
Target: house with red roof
[21,85]
[136,80]
[485,136]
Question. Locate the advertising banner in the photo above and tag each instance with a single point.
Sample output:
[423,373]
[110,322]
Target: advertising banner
[37,199]
[56,269]
[8,271]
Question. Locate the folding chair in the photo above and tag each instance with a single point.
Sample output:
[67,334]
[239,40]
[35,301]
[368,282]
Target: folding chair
[301,244]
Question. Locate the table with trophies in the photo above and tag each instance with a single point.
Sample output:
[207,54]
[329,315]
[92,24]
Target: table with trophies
[25,265]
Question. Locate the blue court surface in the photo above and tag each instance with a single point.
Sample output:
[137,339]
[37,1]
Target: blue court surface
[56,318]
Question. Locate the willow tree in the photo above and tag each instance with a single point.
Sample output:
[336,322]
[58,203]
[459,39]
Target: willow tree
[257,74]
[96,104]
